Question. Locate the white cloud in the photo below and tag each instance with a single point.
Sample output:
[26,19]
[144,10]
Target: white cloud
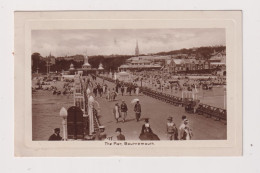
[122,41]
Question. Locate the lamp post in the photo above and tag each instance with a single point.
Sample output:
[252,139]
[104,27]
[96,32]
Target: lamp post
[90,114]
[64,114]
[91,102]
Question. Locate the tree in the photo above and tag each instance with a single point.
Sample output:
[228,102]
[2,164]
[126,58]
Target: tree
[36,58]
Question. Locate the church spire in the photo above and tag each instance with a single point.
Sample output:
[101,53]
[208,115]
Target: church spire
[136,49]
[86,58]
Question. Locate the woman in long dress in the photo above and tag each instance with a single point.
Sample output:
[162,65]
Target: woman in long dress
[108,94]
[116,112]
[147,133]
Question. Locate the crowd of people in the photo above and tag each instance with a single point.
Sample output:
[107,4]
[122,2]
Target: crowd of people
[164,82]
[184,132]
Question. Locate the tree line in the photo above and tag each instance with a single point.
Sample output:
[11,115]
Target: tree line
[109,63]
[113,62]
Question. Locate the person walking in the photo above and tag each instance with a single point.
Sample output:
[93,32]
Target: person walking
[56,135]
[122,90]
[172,131]
[108,94]
[129,89]
[100,90]
[95,91]
[116,112]
[117,86]
[186,132]
[147,133]
[125,90]
[137,110]
[104,88]
[182,124]
[124,110]
[120,136]
[113,94]
[146,128]
[137,90]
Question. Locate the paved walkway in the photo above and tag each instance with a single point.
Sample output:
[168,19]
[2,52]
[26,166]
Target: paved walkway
[46,107]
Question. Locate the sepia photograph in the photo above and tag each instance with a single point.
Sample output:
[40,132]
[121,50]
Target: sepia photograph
[128,83]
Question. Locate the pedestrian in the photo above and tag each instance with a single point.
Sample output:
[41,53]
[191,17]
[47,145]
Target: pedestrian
[146,132]
[116,112]
[172,131]
[129,89]
[113,94]
[146,126]
[124,110]
[182,124]
[186,132]
[101,135]
[108,95]
[125,90]
[122,90]
[137,110]
[100,91]
[56,135]
[120,136]
[117,86]
[137,90]
[104,88]
[95,91]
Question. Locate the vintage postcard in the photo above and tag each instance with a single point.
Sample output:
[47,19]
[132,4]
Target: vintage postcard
[128,83]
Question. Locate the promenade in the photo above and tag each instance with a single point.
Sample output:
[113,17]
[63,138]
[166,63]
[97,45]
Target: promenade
[46,107]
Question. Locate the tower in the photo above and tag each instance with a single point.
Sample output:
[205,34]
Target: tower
[86,65]
[136,49]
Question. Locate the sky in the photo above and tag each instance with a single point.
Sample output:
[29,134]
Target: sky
[122,41]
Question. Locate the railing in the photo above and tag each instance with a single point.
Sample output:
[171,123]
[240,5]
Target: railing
[96,120]
[210,111]
[95,112]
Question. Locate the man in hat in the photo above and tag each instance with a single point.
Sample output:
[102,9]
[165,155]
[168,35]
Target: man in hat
[124,110]
[137,110]
[172,131]
[101,135]
[120,136]
[56,135]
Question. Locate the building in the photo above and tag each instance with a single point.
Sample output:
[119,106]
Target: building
[177,65]
[218,59]
[85,70]
[140,63]
[148,62]
[136,49]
